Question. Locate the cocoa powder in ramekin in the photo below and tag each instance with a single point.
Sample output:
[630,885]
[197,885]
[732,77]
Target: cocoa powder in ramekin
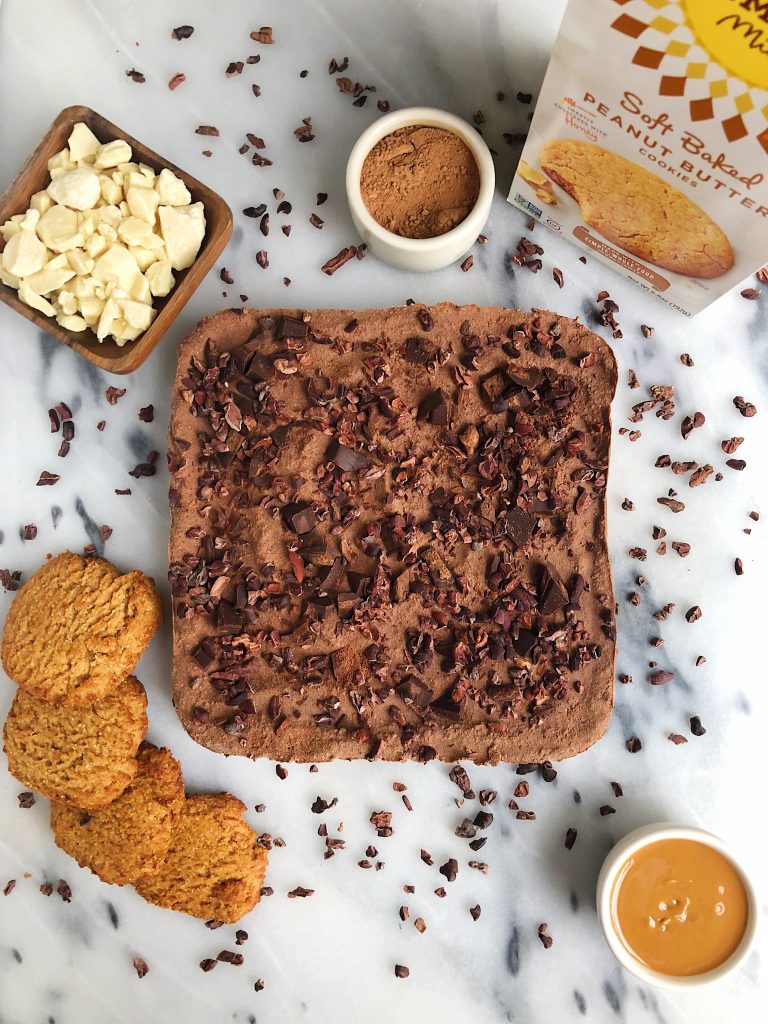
[420,181]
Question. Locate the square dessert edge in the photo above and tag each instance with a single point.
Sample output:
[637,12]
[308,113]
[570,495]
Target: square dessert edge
[388,534]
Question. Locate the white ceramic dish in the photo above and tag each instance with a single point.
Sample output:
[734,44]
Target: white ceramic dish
[420,254]
[612,864]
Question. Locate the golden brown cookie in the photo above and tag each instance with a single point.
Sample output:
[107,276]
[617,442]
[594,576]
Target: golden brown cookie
[128,839]
[215,867]
[637,210]
[84,756]
[77,627]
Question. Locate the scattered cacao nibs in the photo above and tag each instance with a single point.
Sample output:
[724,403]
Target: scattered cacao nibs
[26,800]
[607,809]
[676,738]
[475,911]
[693,614]
[235,67]
[570,838]
[750,293]
[627,505]
[745,408]
[263,35]
[617,790]
[225,276]
[697,729]
[647,332]
[46,889]
[316,221]
[737,464]
[681,548]
[420,925]
[304,132]
[207,965]
[147,414]
[259,984]
[546,938]
[124,490]
[10,579]
[468,263]
[139,79]
[48,479]
[427,858]
[300,892]
[281,771]
[685,359]
[382,822]
[113,394]
[557,274]
[207,129]
[182,32]
[738,567]
[64,891]
[101,424]
[450,869]
[338,261]
[406,802]
[10,885]
[140,966]
[401,971]
[226,956]
[262,258]
[634,745]
[29,532]
[440,892]
[176,80]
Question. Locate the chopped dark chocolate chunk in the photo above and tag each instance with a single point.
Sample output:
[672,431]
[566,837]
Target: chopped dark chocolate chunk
[697,729]
[347,459]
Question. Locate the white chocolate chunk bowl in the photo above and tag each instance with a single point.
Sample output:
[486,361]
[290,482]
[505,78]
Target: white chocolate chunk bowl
[102,241]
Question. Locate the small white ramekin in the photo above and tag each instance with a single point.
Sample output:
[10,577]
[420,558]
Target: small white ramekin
[420,253]
[612,864]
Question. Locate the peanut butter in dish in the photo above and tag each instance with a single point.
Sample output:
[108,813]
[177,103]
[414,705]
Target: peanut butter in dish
[679,907]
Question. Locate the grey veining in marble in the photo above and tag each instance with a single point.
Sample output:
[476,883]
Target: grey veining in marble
[330,957]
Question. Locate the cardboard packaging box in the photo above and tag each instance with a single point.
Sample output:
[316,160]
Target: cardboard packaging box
[649,144]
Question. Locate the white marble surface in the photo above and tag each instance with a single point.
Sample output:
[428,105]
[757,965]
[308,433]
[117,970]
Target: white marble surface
[331,957]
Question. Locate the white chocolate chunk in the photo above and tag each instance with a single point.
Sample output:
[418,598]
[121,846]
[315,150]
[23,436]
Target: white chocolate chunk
[136,314]
[56,227]
[30,220]
[7,278]
[144,257]
[26,294]
[41,202]
[95,246]
[171,189]
[111,192]
[91,309]
[68,302]
[79,189]
[160,278]
[183,230]
[109,313]
[116,266]
[140,291]
[80,263]
[82,142]
[49,279]
[112,154]
[72,322]
[143,203]
[24,254]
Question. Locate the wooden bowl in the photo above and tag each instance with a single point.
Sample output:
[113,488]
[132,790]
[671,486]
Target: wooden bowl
[33,177]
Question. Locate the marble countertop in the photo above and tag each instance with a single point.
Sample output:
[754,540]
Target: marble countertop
[331,956]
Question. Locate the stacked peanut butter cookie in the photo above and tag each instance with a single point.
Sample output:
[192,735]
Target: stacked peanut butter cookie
[75,734]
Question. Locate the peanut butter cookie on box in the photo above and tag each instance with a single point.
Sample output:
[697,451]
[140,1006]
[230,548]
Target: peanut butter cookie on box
[215,867]
[128,839]
[637,210]
[82,756]
[77,628]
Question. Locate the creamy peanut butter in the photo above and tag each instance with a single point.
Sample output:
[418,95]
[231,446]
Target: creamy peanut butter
[679,907]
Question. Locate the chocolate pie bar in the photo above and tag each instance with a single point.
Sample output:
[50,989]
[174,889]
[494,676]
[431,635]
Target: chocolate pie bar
[388,534]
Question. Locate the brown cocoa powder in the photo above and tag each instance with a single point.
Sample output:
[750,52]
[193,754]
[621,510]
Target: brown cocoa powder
[420,181]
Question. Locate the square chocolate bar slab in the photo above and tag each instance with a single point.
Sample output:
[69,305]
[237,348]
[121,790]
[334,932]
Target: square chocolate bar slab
[389,534]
